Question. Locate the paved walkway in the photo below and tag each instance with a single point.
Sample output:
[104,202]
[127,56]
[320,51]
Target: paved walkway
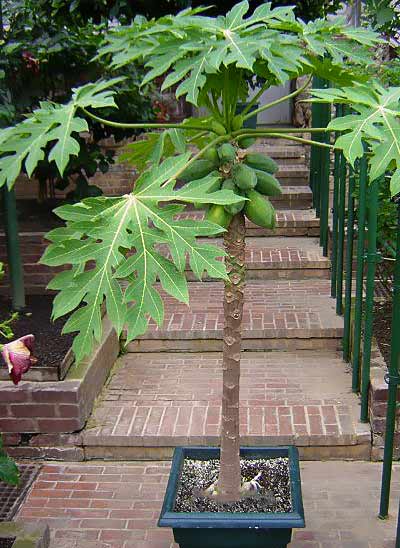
[108,505]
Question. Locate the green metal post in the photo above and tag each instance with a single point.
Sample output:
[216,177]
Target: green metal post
[317,112]
[363,183]
[349,266]
[341,233]
[335,222]
[13,251]
[325,157]
[393,380]
[371,259]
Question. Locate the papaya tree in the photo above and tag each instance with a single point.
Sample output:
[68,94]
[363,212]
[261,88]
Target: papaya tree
[111,245]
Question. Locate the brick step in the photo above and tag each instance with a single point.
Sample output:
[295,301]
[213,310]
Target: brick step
[293,175]
[278,314]
[295,222]
[293,197]
[277,258]
[282,154]
[155,402]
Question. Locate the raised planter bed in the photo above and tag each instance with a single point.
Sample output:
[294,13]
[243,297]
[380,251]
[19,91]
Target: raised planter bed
[52,349]
[59,406]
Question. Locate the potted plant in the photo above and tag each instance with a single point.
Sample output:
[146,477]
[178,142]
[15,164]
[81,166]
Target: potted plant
[112,244]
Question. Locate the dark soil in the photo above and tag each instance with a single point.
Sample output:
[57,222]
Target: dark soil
[198,475]
[6,542]
[50,345]
[383,327]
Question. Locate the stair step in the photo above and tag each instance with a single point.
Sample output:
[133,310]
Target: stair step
[155,402]
[278,314]
[297,222]
[275,257]
[293,197]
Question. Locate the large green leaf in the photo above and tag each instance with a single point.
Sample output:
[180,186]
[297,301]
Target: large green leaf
[375,123]
[23,145]
[112,240]
[270,42]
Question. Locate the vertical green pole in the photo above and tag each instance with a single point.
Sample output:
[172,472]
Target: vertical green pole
[393,381]
[359,272]
[325,155]
[371,260]
[13,251]
[317,118]
[341,233]
[349,267]
[335,212]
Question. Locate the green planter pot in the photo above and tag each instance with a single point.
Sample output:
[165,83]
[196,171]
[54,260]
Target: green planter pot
[224,529]
[250,123]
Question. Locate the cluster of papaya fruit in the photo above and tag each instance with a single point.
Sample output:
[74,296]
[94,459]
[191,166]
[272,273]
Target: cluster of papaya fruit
[247,174]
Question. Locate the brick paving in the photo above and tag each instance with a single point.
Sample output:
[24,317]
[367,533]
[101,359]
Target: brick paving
[174,399]
[274,309]
[108,505]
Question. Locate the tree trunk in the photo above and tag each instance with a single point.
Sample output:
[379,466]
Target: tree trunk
[234,241]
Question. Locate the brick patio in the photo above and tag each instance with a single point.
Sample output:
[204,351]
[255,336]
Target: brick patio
[108,505]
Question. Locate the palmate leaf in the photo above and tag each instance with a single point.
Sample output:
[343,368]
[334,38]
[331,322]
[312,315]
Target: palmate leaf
[375,123]
[110,240]
[190,48]
[23,145]
[154,147]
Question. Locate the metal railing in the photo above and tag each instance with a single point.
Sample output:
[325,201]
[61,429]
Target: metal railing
[354,254]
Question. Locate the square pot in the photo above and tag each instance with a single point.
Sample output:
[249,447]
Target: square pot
[230,530]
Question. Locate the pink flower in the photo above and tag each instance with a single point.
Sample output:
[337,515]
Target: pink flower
[18,356]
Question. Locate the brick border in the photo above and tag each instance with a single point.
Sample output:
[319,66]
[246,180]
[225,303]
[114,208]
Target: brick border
[61,406]
[28,535]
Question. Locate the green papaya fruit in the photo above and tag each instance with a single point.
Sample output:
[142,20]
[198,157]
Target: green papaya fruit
[228,184]
[197,170]
[237,122]
[212,155]
[217,214]
[246,142]
[226,153]
[244,176]
[267,184]
[260,161]
[259,210]
[218,128]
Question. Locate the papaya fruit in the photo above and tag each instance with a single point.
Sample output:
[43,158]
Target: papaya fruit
[259,210]
[244,176]
[267,184]
[197,170]
[246,142]
[218,128]
[217,214]
[226,153]
[237,122]
[262,162]
[228,184]
[212,155]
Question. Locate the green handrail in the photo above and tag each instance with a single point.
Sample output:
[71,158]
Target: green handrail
[393,381]
[363,183]
[13,250]
[371,259]
[349,267]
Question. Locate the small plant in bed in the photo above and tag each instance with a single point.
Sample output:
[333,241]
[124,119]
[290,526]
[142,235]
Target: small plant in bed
[111,245]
